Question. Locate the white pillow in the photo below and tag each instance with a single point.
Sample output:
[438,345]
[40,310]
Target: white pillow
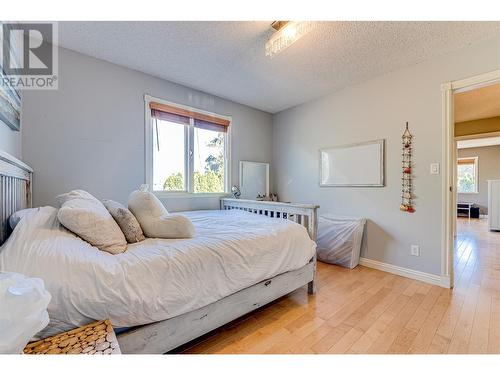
[85,216]
[16,217]
[154,218]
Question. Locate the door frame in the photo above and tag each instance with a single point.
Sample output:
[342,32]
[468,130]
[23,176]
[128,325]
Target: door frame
[449,159]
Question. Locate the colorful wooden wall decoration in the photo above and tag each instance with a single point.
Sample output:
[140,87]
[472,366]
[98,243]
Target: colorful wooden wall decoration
[407,184]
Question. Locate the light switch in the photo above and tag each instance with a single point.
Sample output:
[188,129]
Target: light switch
[435,168]
[415,250]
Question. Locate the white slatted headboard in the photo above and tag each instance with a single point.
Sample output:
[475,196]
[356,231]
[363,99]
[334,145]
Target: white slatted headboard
[303,214]
[15,189]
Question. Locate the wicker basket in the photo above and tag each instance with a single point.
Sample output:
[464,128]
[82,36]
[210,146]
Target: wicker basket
[94,338]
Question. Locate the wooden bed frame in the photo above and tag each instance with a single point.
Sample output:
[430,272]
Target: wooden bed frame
[166,335]
[15,190]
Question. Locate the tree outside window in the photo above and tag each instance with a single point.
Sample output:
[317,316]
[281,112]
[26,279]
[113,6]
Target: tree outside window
[467,175]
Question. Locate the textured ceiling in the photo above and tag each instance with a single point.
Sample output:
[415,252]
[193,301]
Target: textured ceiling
[227,59]
[478,104]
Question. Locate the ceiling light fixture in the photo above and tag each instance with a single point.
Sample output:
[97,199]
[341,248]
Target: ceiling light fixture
[287,33]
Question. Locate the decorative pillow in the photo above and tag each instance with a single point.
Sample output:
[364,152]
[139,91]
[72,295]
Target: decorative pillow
[16,217]
[85,216]
[125,220]
[154,218]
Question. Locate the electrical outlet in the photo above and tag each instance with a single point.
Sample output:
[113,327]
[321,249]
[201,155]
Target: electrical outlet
[415,250]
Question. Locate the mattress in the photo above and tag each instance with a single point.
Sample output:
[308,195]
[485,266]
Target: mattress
[155,279]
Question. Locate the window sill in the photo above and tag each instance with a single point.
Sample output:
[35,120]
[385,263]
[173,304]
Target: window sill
[184,195]
[469,192]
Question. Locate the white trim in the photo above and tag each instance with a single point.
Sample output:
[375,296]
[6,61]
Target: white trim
[448,211]
[449,156]
[442,281]
[228,165]
[475,82]
[477,136]
[148,151]
[148,144]
[478,142]
[189,161]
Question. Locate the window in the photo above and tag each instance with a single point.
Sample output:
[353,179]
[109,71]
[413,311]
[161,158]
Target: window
[188,149]
[467,175]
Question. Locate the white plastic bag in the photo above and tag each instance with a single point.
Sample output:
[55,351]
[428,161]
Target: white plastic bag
[23,310]
[339,239]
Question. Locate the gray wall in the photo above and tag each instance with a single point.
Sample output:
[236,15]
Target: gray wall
[10,141]
[372,110]
[89,133]
[488,169]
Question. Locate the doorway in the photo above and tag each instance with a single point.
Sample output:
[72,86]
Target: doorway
[471,135]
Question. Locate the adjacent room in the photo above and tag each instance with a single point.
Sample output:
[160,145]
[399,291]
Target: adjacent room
[477,243]
[250,187]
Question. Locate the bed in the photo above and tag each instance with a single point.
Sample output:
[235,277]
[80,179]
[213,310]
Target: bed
[162,293]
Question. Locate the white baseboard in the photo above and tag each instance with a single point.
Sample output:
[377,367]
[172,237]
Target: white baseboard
[443,281]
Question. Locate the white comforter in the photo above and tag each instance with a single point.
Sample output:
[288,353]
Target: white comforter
[155,279]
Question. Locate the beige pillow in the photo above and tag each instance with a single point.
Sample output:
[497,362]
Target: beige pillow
[125,220]
[85,216]
[154,218]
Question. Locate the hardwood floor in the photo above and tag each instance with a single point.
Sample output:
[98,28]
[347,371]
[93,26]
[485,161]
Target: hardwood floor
[369,311]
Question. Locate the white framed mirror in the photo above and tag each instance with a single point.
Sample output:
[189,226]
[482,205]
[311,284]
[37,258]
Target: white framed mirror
[254,179]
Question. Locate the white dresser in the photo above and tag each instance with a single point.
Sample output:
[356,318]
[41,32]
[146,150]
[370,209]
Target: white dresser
[494,204]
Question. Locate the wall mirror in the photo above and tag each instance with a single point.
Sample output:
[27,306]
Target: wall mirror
[254,179]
